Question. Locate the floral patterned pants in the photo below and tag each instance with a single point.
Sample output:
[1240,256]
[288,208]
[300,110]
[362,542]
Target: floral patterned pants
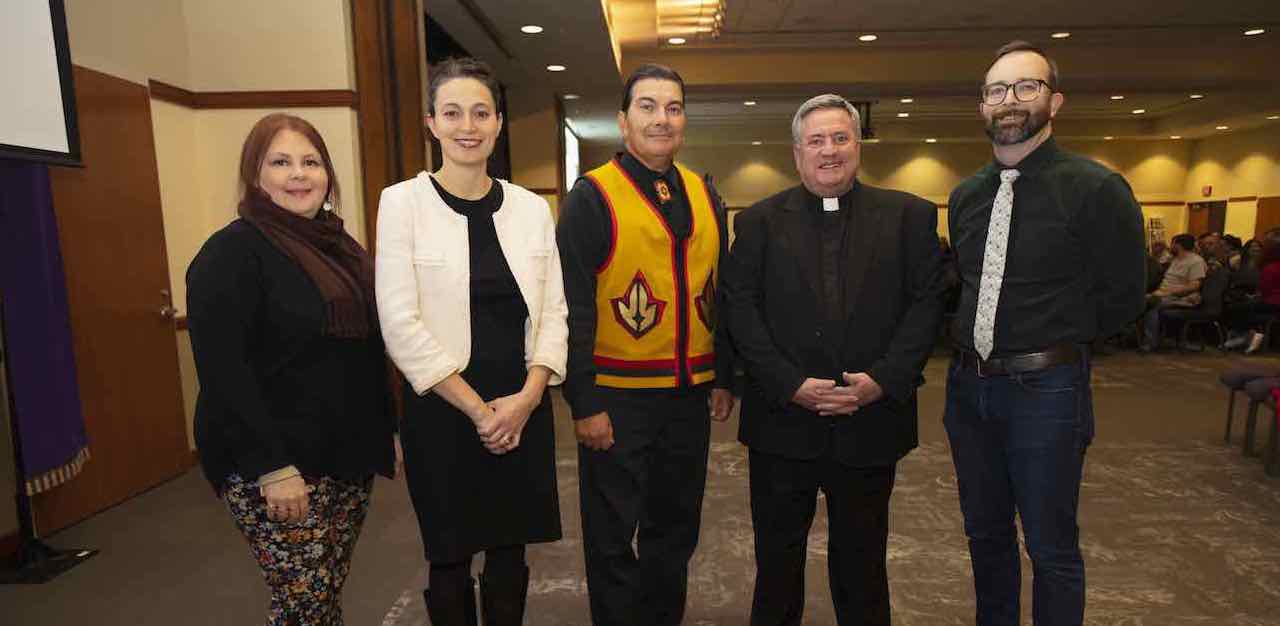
[305,564]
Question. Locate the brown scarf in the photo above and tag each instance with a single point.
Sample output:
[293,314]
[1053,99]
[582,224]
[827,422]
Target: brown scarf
[339,267]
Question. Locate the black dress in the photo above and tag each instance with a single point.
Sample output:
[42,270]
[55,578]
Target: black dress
[467,499]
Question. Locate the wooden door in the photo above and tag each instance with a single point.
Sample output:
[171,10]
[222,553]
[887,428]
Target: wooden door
[1206,217]
[112,234]
[1268,216]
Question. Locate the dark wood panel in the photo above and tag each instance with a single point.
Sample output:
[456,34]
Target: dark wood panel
[367,28]
[111,231]
[253,99]
[1164,203]
[1242,199]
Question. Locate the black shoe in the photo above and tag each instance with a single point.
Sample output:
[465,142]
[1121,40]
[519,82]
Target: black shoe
[448,605]
[502,597]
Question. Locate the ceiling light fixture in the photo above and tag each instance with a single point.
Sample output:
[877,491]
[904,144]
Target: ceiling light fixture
[556,68]
[1175,136]
[1222,127]
[757,143]
[1254,31]
[571,96]
[1061,35]
[1108,138]
[1196,96]
[907,100]
[904,115]
[868,38]
[1117,97]
[1273,117]
[749,103]
[676,41]
[1139,111]
[531,29]
[931,140]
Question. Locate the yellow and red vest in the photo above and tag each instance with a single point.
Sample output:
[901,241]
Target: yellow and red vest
[642,292]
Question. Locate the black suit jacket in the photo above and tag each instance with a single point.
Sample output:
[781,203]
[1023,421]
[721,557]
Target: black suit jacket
[894,287]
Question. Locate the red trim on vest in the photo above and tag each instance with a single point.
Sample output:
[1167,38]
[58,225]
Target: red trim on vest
[613,221]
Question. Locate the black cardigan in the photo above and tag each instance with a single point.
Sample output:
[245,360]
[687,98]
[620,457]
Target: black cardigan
[275,391]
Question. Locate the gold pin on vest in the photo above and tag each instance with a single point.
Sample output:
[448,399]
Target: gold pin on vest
[663,189]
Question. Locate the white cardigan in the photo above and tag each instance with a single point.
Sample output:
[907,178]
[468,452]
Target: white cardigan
[423,283]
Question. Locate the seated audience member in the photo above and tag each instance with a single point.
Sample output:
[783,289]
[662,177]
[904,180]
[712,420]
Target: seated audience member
[1249,318]
[1180,287]
[1209,246]
[1230,251]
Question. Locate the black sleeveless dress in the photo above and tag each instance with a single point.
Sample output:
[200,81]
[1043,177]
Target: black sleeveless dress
[467,499]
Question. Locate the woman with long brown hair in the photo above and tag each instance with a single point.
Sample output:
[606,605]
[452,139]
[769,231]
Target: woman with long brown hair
[292,420]
[472,306]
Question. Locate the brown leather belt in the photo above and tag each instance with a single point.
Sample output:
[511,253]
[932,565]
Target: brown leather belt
[1018,363]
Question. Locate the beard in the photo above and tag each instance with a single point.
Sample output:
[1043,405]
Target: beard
[1032,122]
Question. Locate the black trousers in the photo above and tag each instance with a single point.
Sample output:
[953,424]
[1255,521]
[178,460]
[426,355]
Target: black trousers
[783,500]
[647,487]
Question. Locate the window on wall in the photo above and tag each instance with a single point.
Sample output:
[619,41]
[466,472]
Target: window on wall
[571,164]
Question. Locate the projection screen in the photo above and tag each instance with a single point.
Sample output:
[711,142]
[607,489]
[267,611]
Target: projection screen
[37,111]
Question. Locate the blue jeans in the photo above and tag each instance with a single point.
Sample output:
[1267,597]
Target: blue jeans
[1018,443]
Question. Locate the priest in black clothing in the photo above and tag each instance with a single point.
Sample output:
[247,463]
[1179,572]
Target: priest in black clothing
[834,293]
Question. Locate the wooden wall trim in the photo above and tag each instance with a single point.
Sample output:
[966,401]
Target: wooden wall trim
[1163,203]
[1242,199]
[544,191]
[172,94]
[294,99]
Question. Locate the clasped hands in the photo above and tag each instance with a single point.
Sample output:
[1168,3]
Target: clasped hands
[501,421]
[824,397]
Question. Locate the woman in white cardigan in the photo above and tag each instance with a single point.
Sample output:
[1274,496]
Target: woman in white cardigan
[473,313]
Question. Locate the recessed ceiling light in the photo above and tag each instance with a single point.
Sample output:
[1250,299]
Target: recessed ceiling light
[757,143]
[870,141]
[931,140]
[1223,127]
[868,37]
[675,41]
[1197,96]
[571,96]
[1108,138]
[907,100]
[904,115]
[1117,97]
[1255,31]
[1139,111]
[556,68]
[1175,136]
[749,103]
[531,29]
[1061,35]
[1273,117]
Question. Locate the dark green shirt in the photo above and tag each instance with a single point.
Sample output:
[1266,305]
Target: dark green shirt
[1075,268]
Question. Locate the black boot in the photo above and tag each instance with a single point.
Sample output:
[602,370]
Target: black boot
[451,605]
[502,597]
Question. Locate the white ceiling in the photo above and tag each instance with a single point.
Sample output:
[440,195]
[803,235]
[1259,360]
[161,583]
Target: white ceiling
[780,52]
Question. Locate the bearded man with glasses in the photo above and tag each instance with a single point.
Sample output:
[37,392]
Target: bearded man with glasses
[1047,265]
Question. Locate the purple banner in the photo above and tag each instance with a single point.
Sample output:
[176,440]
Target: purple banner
[37,330]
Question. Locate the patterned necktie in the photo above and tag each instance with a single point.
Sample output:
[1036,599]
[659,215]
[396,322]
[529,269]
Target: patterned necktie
[984,323]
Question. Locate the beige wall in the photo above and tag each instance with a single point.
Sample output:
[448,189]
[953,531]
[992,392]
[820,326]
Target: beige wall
[135,40]
[1243,163]
[534,135]
[249,45]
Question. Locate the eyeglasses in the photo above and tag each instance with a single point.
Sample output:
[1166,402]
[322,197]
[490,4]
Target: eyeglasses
[1025,90]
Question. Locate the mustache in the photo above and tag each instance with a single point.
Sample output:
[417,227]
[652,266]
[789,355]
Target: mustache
[999,117]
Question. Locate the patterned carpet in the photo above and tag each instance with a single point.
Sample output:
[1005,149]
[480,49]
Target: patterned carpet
[1173,534]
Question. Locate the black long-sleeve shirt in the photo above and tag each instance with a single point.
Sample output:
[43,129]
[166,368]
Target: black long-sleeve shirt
[583,235]
[1075,268]
[274,390]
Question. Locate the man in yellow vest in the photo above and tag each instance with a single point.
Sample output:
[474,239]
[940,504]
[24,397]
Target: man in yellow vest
[641,239]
